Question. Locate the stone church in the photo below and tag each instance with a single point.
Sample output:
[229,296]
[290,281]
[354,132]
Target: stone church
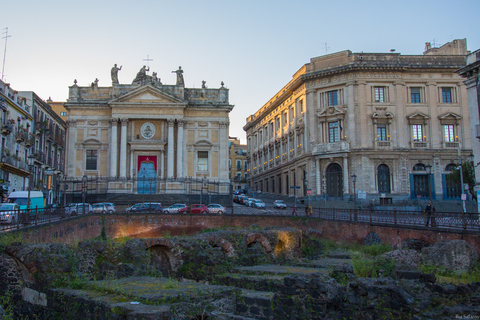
[137,135]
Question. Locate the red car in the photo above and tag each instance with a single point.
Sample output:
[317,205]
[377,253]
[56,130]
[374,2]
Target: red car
[198,209]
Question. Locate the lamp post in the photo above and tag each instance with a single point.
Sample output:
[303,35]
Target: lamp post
[354,180]
[461,181]
[306,189]
[428,170]
[84,189]
[30,169]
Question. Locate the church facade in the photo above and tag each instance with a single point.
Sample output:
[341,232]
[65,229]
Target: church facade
[136,135]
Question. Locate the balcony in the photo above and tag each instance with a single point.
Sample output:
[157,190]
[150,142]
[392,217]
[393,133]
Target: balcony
[20,137]
[333,147]
[7,128]
[30,140]
[419,144]
[39,156]
[452,145]
[383,143]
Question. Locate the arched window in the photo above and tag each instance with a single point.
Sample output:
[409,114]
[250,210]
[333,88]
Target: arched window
[450,167]
[419,167]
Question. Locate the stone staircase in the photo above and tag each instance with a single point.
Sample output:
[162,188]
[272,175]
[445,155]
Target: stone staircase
[246,293]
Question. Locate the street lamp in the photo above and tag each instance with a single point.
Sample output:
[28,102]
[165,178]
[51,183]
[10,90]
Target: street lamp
[84,193]
[428,170]
[354,180]
[30,169]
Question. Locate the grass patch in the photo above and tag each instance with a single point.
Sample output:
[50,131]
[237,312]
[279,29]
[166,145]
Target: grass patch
[365,266]
[9,238]
[451,277]
[376,249]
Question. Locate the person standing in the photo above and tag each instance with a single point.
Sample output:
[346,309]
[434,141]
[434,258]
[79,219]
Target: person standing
[429,213]
[294,210]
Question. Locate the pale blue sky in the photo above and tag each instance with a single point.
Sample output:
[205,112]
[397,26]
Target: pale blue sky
[253,46]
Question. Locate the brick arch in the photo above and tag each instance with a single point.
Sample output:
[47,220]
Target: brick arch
[163,257]
[257,237]
[158,242]
[226,246]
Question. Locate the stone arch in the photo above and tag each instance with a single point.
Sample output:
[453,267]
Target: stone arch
[162,256]
[257,237]
[226,246]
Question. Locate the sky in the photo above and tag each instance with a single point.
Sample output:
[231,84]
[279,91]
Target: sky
[254,47]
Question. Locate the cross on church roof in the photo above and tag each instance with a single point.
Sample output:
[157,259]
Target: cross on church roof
[148,59]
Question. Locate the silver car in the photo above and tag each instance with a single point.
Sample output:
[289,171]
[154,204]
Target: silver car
[216,208]
[99,208]
[174,208]
[110,207]
[257,203]
[78,208]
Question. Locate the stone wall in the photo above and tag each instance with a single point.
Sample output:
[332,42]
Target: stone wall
[152,226]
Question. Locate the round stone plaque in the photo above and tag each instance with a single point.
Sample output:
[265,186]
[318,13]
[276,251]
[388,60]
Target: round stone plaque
[147,130]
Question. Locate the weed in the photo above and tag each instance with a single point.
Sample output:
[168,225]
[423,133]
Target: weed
[376,249]
[9,238]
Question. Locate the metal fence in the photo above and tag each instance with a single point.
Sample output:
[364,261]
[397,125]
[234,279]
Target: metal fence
[454,221]
[103,189]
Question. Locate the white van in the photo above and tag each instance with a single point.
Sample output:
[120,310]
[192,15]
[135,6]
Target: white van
[21,197]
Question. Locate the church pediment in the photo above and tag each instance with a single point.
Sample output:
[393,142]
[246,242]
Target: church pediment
[147,95]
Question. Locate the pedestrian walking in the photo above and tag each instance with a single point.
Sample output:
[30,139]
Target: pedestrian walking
[294,210]
[430,215]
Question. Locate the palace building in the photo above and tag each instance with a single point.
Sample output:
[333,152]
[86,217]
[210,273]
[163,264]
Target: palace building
[382,125]
[146,136]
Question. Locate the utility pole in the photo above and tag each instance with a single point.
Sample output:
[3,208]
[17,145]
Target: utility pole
[5,51]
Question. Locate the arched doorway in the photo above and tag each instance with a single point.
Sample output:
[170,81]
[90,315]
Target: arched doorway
[421,183]
[146,182]
[383,178]
[334,178]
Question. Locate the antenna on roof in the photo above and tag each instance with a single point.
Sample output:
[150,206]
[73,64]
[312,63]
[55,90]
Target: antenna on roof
[326,48]
[5,52]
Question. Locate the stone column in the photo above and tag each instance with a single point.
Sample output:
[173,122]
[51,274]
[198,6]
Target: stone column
[318,178]
[113,148]
[223,150]
[170,155]
[71,151]
[162,167]
[180,149]
[123,149]
[345,175]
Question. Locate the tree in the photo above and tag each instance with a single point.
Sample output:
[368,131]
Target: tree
[468,177]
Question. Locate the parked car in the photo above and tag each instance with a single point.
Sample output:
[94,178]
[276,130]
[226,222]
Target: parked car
[216,208]
[249,202]
[136,206]
[150,207]
[279,204]
[110,207]
[9,212]
[174,208]
[78,208]
[242,199]
[257,203]
[99,208]
[198,209]
[55,209]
